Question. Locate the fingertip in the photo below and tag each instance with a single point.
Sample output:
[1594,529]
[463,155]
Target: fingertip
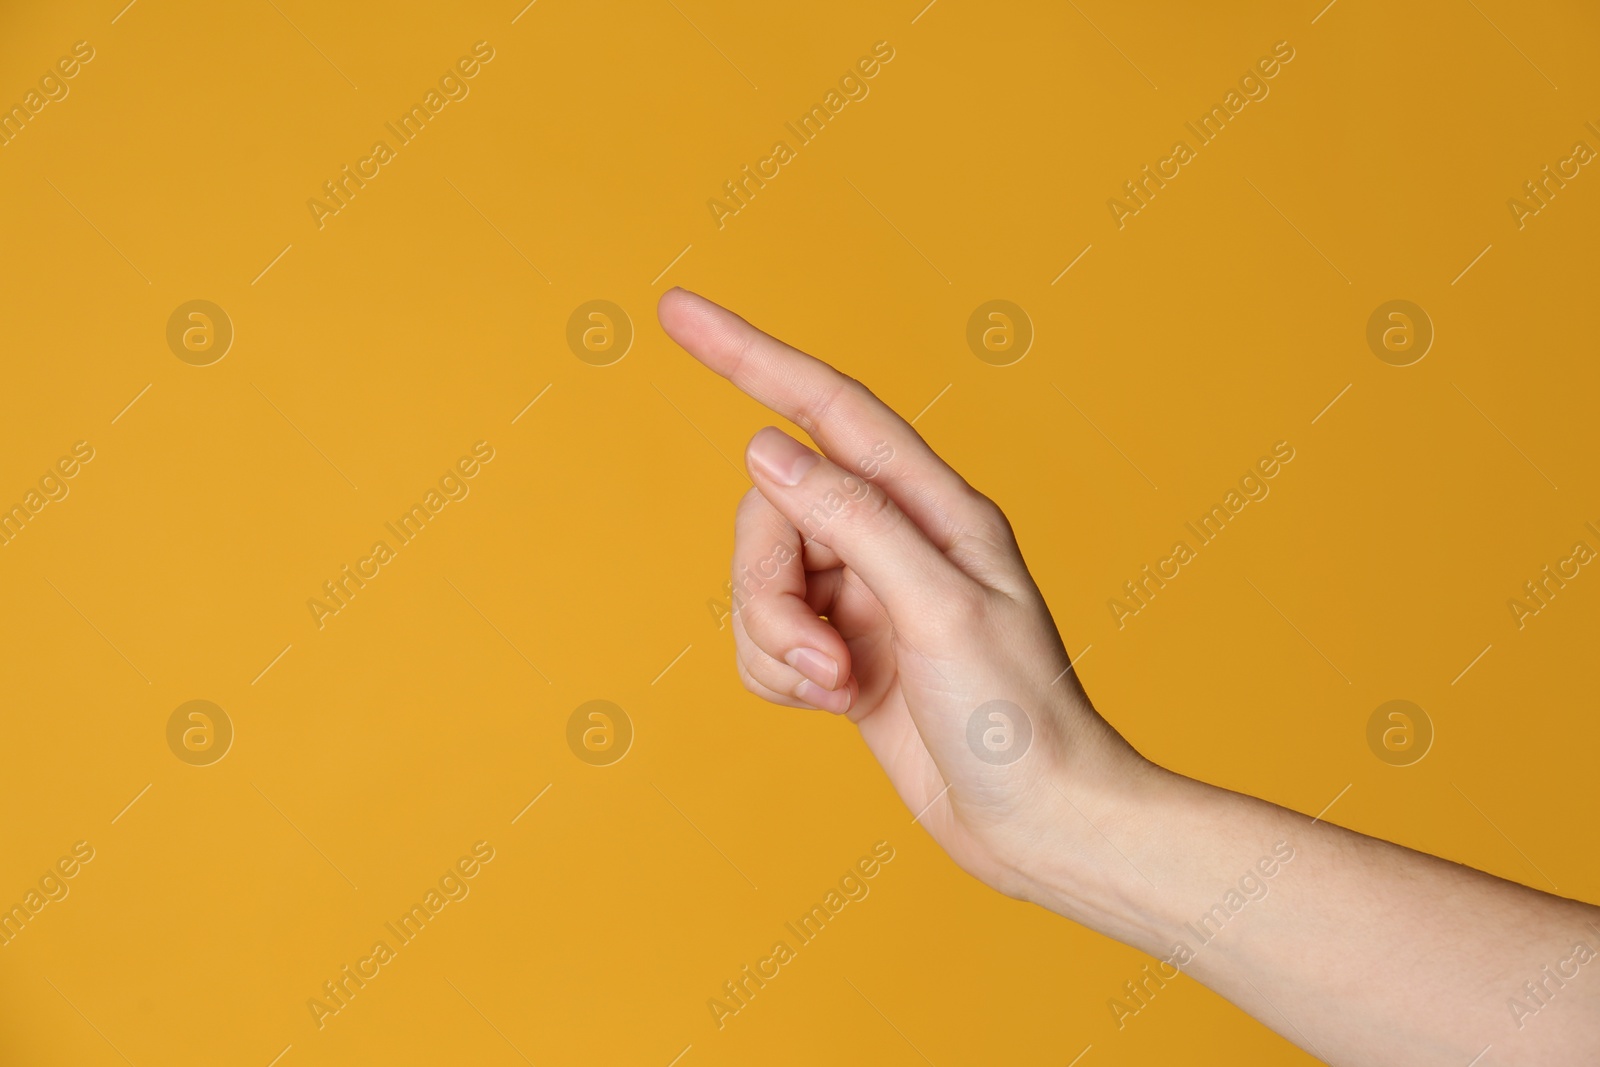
[837,701]
[819,667]
[853,688]
[669,300]
[778,457]
[701,327]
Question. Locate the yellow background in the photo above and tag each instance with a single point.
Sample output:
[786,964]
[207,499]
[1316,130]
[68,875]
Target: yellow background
[423,718]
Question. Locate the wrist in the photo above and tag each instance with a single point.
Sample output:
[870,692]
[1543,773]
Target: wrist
[1117,840]
[1083,862]
[1137,852]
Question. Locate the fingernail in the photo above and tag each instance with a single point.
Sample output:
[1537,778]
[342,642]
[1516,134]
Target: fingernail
[780,457]
[814,665]
[836,700]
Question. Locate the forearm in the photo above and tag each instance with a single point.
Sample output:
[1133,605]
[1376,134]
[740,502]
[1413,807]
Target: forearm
[1358,950]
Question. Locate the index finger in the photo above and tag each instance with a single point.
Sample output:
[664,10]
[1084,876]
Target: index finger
[852,426]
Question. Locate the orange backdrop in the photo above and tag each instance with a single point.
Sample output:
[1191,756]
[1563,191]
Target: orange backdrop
[285,282]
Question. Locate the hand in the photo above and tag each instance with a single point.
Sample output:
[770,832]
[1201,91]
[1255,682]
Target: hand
[872,581]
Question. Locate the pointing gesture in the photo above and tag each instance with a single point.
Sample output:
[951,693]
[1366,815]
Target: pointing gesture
[871,581]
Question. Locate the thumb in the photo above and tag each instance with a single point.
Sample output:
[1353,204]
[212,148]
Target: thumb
[857,520]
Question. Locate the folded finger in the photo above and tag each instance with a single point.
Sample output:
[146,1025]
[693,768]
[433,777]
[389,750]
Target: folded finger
[857,520]
[780,683]
[770,596]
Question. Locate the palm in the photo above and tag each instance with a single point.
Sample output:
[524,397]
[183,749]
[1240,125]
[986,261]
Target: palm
[902,683]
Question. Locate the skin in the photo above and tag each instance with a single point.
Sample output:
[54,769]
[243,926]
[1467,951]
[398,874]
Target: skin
[889,591]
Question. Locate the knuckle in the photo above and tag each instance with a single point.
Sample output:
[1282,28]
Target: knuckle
[991,522]
[749,682]
[873,509]
[856,391]
[749,659]
[761,673]
[844,392]
[844,499]
[752,576]
[749,504]
[747,342]
[758,620]
[987,511]
[815,409]
[982,541]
